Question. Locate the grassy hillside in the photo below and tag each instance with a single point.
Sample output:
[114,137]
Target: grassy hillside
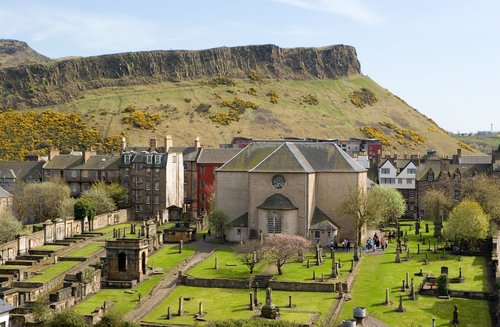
[308,108]
[482,143]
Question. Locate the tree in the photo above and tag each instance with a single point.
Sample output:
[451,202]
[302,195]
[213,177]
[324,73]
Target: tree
[114,191]
[390,202]
[467,223]
[250,253]
[114,319]
[484,189]
[84,208]
[436,202]
[10,226]
[66,318]
[67,208]
[280,248]
[219,221]
[43,201]
[40,309]
[103,203]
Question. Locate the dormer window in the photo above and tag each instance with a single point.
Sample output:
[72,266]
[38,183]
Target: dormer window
[412,171]
[385,171]
[157,159]
[149,159]
[430,176]
[126,158]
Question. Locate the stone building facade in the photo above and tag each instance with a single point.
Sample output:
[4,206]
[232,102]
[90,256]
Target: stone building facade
[286,187]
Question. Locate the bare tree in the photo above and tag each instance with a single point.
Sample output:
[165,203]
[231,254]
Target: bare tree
[43,201]
[250,253]
[280,248]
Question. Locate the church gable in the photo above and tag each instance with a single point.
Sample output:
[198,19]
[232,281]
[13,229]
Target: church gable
[249,157]
[328,157]
[287,159]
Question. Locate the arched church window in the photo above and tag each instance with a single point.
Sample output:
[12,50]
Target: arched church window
[274,222]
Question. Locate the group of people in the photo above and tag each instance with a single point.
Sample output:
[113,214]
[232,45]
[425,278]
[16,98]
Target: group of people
[346,245]
[375,243]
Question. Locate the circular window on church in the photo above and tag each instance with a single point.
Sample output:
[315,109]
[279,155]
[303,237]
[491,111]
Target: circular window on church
[278,181]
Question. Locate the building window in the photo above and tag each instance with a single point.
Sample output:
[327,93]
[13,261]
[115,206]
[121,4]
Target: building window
[174,158]
[274,222]
[148,186]
[185,166]
[126,158]
[137,207]
[385,171]
[317,234]
[125,172]
[411,194]
[47,173]
[238,231]
[409,181]
[400,181]
[157,199]
[202,197]
[85,173]
[430,176]
[157,172]
[148,199]
[149,159]
[157,186]
[74,173]
[202,169]
[157,159]
[412,171]
[202,184]
[122,261]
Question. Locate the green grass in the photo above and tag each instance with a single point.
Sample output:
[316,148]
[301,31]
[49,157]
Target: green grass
[166,258]
[223,304]
[297,271]
[49,247]
[109,229]
[87,250]
[379,272]
[206,268]
[53,271]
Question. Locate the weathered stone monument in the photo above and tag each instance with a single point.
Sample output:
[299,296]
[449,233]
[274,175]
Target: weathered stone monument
[269,310]
[400,308]
[127,261]
[455,320]
[398,255]
[387,301]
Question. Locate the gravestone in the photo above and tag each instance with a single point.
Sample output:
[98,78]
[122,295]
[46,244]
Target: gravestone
[251,301]
[256,296]
[181,245]
[169,313]
[417,227]
[352,265]
[314,274]
[433,322]
[322,277]
[444,270]
[216,263]
[400,308]
[403,286]
[334,269]
[124,232]
[407,279]
[460,272]
[269,310]
[340,263]
[340,289]
[308,263]
[290,304]
[426,228]
[398,256]
[455,320]
[200,309]
[387,302]
[181,306]
[418,248]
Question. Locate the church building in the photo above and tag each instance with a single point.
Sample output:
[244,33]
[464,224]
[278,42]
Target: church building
[289,187]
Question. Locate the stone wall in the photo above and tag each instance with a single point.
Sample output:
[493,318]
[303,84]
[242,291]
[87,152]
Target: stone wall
[108,219]
[301,287]
[215,282]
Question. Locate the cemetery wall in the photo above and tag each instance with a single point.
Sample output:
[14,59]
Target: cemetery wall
[215,282]
[301,287]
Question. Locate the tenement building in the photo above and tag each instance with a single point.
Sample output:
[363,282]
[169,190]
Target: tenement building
[287,187]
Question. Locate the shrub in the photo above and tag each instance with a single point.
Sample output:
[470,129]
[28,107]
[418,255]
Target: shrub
[252,91]
[273,94]
[442,284]
[374,132]
[142,120]
[221,80]
[84,208]
[363,97]
[203,108]
[255,76]
[310,99]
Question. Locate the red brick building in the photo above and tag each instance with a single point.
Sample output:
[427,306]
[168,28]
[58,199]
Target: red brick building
[208,161]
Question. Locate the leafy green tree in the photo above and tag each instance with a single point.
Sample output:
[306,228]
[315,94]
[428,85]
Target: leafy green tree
[219,221]
[436,202]
[114,190]
[84,208]
[485,190]
[66,318]
[10,227]
[40,309]
[467,223]
[114,319]
[103,203]
[390,203]
[43,201]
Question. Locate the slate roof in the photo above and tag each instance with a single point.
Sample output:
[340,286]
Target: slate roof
[277,202]
[4,193]
[468,160]
[241,221]
[20,169]
[321,221]
[437,168]
[293,158]
[99,162]
[64,161]
[189,153]
[216,156]
[5,307]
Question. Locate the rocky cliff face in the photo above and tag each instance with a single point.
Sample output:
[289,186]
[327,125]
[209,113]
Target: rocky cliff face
[15,53]
[57,82]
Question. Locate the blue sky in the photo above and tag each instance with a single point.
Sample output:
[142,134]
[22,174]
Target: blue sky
[439,56]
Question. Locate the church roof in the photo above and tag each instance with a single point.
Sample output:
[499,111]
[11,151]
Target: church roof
[277,202]
[293,158]
[241,221]
[321,221]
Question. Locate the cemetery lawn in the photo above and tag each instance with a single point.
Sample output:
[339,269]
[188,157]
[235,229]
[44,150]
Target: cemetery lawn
[379,272]
[53,271]
[223,304]
[298,271]
[49,247]
[230,266]
[166,258]
[86,251]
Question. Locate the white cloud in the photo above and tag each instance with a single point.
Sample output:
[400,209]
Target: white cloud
[353,9]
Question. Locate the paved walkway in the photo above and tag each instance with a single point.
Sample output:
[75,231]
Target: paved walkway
[169,282]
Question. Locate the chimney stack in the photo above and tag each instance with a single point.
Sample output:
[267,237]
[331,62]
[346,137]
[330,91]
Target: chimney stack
[197,142]
[395,155]
[124,144]
[53,153]
[153,144]
[459,153]
[168,143]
